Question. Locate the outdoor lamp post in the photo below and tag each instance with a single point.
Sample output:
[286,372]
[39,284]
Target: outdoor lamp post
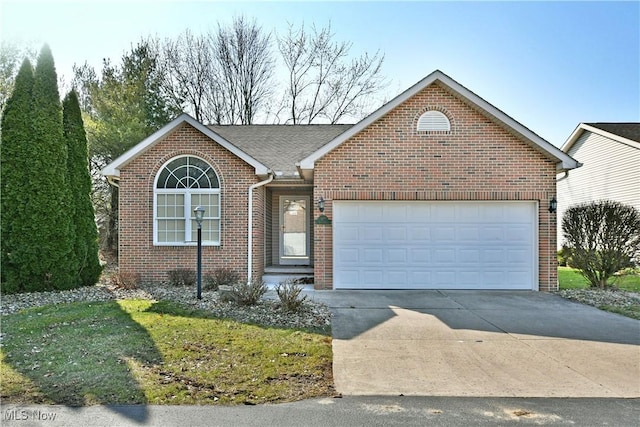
[199,212]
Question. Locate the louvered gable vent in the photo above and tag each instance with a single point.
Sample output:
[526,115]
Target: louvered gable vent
[433,121]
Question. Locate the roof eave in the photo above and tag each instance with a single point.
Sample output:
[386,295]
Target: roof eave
[546,147]
[582,127]
[113,168]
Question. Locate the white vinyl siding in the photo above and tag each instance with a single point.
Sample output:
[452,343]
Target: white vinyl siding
[611,170]
[435,245]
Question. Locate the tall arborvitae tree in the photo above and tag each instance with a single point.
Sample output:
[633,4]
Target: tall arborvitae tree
[14,179]
[83,222]
[47,220]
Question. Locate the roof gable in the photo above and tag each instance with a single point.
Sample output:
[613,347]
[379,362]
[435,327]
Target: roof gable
[280,146]
[113,168]
[624,133]
[564,161]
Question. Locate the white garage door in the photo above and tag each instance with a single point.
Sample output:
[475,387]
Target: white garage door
[435,245]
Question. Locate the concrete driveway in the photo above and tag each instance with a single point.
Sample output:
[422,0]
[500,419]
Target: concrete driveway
[480,343]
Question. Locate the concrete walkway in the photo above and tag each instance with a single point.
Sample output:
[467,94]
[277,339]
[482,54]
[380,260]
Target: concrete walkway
[480,343]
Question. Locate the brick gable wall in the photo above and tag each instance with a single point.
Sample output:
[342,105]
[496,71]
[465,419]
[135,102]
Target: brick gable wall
[476,160]
[136,250]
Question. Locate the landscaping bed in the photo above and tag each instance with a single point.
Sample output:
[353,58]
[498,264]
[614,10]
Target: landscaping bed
[313,316]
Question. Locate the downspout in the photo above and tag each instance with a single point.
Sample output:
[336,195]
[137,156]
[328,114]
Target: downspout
[112,180]
[250,227]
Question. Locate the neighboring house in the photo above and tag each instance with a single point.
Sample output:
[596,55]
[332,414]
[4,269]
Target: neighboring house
[610,157]
[436,189]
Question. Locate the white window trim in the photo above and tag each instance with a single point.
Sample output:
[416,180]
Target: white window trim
[189,216]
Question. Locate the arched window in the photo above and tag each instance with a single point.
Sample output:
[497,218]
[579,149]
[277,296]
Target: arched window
[182,184]
[433,121]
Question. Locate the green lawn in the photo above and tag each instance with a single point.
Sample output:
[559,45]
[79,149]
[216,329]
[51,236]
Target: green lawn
[570,278]
[137,351]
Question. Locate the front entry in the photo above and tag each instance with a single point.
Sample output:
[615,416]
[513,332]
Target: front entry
[294,230]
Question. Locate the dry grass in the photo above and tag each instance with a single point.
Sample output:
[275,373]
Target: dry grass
[136,351]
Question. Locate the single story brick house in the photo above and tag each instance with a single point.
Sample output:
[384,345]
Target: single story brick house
[437,189]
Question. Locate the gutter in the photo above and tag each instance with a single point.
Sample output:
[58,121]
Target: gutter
[112,180]
[566,172]
[250,221]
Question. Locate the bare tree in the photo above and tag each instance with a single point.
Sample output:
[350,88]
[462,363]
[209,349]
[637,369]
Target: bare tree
[224,76]
[188,67]
[323,83]
[245,68]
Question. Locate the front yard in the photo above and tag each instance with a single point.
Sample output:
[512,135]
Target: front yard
[160,345]
[141,351]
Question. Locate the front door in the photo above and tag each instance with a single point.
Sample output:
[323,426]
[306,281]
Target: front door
[294,230]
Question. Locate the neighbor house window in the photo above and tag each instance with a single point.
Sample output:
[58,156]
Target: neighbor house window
[433,121]
[182,184]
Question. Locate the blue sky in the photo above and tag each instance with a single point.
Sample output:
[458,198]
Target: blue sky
[549,65]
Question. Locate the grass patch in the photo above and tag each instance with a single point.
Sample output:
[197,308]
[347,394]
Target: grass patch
[136,351]
[570,278]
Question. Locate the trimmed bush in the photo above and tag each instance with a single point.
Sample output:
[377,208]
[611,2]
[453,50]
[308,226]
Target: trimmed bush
[603,238]
[242,293]
[289,294]
[181,277]
[220,277]
[125,280]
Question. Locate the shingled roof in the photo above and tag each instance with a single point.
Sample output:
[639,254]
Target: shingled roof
[279,147]
[626,130]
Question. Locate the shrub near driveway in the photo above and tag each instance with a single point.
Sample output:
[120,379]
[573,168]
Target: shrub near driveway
[138,351]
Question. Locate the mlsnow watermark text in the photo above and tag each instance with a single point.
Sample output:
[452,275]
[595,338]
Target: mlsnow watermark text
[28,415]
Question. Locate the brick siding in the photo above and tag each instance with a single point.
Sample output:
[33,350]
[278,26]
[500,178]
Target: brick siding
[137,252]
[477,160]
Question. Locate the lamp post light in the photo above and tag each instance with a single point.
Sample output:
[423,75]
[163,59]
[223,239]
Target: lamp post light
[199,212]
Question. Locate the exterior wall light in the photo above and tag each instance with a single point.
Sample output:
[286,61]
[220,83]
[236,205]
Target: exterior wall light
[321,204]
[553,205]
[199,213]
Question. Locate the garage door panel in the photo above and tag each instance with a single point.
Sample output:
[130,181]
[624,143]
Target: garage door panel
[418,212]
[419,278]
[398,255]
[419,256]
[444,256]
[431,245]
[397,278]
[370,255]
[489,233]
[468,234]
[443,233]
[518,233]
[469,256]
[443,213]
[349,233]
[420,233]
[348,255]
[395,233]
[516,256]
[374,277]
[371,233]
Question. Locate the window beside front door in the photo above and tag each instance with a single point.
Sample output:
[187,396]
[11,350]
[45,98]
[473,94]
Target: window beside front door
[294,230]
